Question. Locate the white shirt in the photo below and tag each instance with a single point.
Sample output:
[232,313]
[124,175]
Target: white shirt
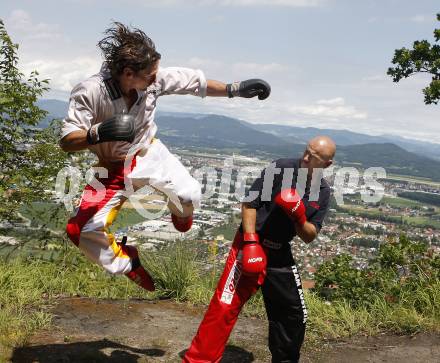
[98,98]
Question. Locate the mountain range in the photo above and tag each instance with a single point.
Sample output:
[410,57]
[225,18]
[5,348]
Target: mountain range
[345,137]
[396,154]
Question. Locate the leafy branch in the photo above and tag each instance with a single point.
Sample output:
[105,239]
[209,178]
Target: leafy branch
[424,57]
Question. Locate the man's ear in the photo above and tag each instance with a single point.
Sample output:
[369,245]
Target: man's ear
[328,163]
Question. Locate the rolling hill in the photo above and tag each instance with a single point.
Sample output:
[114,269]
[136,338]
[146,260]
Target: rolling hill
[226,134]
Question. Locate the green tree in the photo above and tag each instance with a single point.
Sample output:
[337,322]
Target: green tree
[29,157]
[424,57]
[400,268]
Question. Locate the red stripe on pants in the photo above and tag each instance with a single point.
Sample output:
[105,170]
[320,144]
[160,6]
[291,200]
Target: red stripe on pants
[88,208]
[209,343]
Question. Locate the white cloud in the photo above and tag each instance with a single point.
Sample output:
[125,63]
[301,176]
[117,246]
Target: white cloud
[332,113]
[239,70]
[286,3]
[232,3]
[259,68]
[332,109]
[64,75]
[376,78]
[45,48]
[22,23]
[418,18]
[217,19]
[205,63]
[421,18]
[338,101]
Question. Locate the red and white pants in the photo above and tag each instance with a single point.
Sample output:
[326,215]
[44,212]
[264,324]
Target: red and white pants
[283,299]
[155,167]
[232,292]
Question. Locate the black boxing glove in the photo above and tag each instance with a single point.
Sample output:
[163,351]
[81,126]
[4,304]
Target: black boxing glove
[117,128]
[248,89]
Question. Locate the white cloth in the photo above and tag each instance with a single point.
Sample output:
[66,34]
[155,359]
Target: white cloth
[162,170]
[155,167]
[98,98]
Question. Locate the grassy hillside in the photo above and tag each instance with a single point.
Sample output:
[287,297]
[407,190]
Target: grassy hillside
[378,301]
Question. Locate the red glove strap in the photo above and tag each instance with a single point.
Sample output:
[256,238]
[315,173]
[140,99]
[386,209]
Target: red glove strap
[251,237]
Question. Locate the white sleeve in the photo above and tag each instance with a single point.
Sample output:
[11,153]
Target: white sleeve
[182,81]
[80,113]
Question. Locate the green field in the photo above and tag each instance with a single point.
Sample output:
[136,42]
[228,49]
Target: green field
[401,202]
[414,179]
[227,230]
[375,213]
[422,222]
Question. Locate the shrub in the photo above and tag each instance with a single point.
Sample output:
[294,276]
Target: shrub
[403,272]
[174,269]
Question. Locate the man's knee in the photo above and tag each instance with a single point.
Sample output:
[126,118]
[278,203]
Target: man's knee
[188,201]
[73,230]
[191,195]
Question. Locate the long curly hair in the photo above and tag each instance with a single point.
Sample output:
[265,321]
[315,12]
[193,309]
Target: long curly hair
[124,47]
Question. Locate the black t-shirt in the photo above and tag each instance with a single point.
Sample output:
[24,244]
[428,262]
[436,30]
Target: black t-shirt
[272,222]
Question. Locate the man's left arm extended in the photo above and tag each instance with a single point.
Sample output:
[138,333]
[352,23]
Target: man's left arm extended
[216,88]
[183,81]
[247,89]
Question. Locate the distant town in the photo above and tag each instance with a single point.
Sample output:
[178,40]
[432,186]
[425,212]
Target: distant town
[354,227]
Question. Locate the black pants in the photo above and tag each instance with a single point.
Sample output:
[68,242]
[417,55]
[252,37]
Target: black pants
[285,306]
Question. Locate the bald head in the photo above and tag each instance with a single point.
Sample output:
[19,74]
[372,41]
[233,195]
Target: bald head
[319,153]
[324,147]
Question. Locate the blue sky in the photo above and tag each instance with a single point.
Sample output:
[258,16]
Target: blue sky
[325,59]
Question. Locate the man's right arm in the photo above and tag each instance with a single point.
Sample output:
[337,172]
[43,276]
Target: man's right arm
[75,141]
[120,127]
[78,119]
[254,258]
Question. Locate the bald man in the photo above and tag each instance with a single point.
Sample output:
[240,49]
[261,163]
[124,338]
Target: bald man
[276,209]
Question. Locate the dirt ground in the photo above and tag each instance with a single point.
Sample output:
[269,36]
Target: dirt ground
[88,330]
